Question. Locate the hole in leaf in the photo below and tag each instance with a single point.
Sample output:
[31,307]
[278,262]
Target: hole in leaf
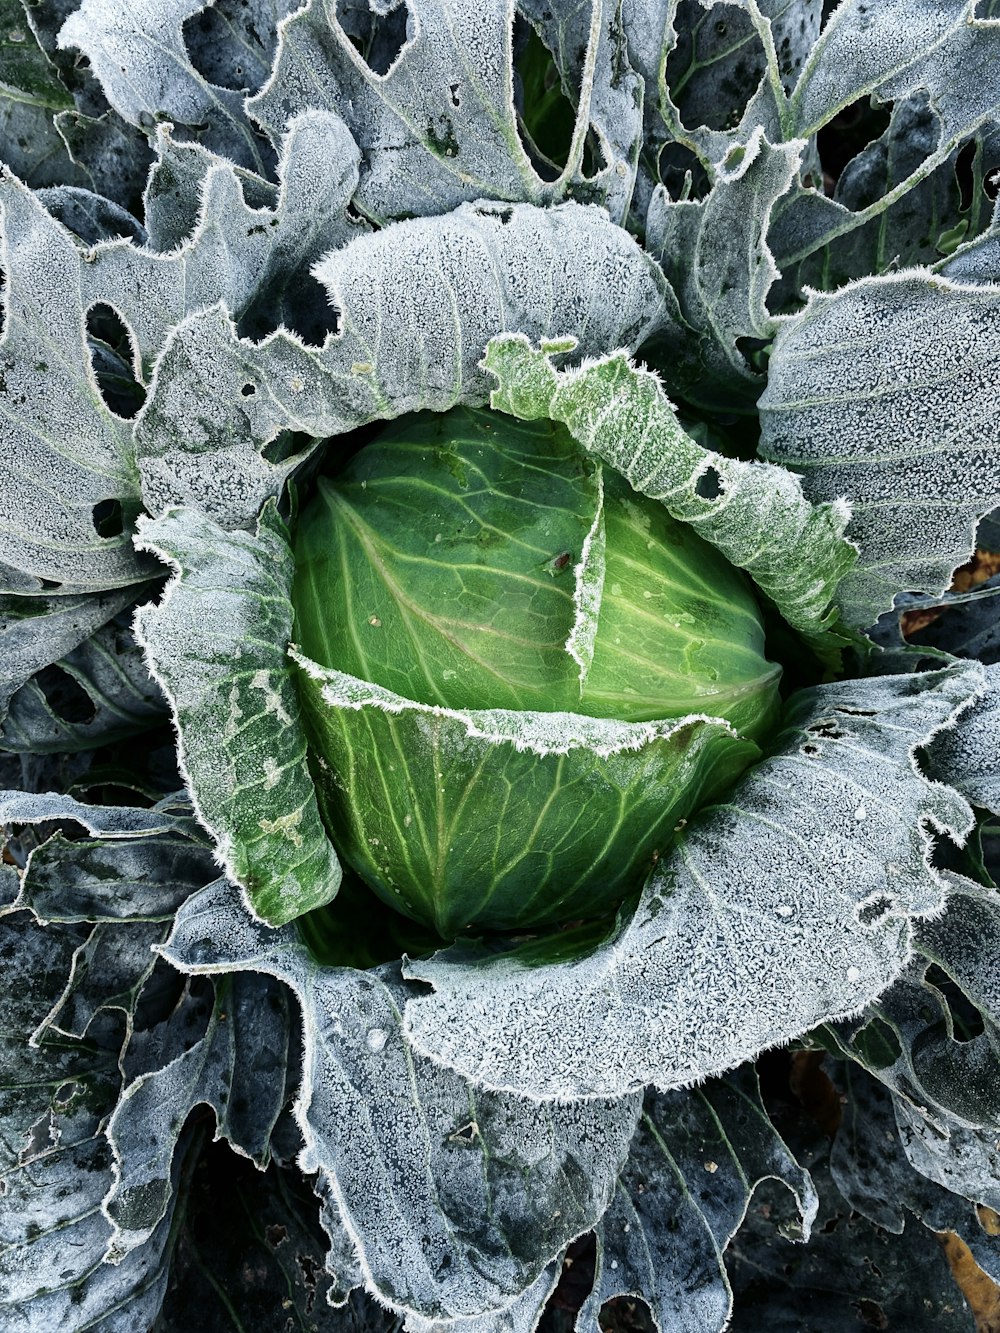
[379,39]
[870,913]
[966,1019]
[877,1044]
[65,696]
[108,518]
[110,345]
[709,485]
[756,352]
[965,174]
[850,131]
[872,1314]
[248,390]
[229,51]
[546,116]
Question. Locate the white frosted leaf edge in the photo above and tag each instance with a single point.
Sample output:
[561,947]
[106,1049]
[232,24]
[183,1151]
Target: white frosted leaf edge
[786,906]
[588,591]
[528,732]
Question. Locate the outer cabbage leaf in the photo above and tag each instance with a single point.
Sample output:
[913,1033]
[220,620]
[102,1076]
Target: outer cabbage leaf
[75,988]
[433,113]
[36,631]
[925,222]
[731,68]
[692,1171]
[64,454]
[786,905]
[968,756]
[606,53]
[849,1266]
[870,1167]
[757,517]
[102,692]
[233,1056]
[853,381]
[216,643]
[138,52]
[456,1199]
[56,1162]
[722,288]
[892,49]
[451,283]
[31,95]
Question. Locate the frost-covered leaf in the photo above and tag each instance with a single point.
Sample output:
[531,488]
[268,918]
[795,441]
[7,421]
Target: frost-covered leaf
[607,81]
[428,94]
[916,229]
[896,47]
[216,643]
[968,756]
[853,382]
[755,515]
[914,53]
[692,1171]
[876,1164]
[37,631]
[138,52]
[852,1273]
[787,904]
[451,283]
[415,1156]
[934,1037]
[731,67]
[236,1063]
[97,693]
[31,95]
[723,289]
[65,455]
[56,1163]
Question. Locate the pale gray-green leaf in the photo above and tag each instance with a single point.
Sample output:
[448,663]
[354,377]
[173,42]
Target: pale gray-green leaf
[968,756]
[36,631]
[55,1161]
[759,519]
[692,1171]
[895,47]
[789,904]
[723,288]
[235,1063]
[139,54]
[63,452]
[432,108]
[853,382]
[112,697]
[216,643]
[416,1156]
[452,282]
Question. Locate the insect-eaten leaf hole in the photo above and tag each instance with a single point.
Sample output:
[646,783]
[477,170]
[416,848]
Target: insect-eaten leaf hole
[109,343]
[378,38]
[65,696]
[709,484]
[108,518]
[874,910]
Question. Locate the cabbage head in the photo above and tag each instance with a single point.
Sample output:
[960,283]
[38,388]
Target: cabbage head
[519,674]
